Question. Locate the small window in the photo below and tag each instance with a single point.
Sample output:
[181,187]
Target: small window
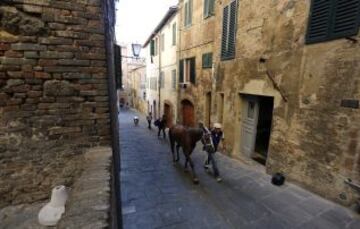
[332,19]
[173,74]
[187,70]
[188,6]
[228,32]
[207,60]
[174,34]
[208,8]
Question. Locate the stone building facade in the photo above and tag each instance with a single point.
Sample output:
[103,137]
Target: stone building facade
[283,82]
[286,99]
[138,88]
[54,98]
[196,42]
[162,69]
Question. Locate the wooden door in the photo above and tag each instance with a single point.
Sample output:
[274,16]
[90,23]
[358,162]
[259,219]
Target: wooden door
[188,114]
[249,125]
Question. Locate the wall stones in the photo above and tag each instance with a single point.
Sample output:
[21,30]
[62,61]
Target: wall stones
[53,93]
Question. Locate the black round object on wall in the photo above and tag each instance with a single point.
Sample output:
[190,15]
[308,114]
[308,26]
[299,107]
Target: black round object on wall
[278,179]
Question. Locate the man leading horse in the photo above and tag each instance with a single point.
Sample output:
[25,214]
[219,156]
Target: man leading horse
[186,138]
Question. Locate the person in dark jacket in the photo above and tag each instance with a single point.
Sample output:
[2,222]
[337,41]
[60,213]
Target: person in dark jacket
[162,125]
[149,119]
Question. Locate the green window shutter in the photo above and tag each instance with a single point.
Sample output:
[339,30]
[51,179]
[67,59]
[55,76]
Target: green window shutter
[228,41]
[174,79]
[224,34]
[346,18]
[152,48]
[206,8]
[232,31]
[207,60]
[332,19]
[192,70]
[319,21]
[190,11]
[186,13]
[181,71]
[211,7]
[204,59]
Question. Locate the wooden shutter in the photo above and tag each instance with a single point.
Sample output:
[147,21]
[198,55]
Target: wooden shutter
[207,60]
[206,8]
[190,11]
[181,71]
[319,21]
[152,48]
[332,19]
[232,31]
[224,31]
[186,13]
[346,18]
[192,70]
[211,7]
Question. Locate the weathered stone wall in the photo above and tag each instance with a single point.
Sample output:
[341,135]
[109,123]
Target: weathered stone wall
[53,93]
[195,40]
[314,140]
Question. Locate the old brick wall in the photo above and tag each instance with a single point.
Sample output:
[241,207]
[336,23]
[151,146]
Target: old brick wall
[314,140]
[53,93]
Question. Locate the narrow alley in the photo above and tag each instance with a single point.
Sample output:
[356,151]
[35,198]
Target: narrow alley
[157,194]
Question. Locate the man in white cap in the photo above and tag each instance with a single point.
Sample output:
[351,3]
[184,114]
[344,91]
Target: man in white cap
[217,135]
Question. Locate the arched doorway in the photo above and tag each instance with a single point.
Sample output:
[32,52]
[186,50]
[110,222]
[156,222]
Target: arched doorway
[188,114]
[168,114]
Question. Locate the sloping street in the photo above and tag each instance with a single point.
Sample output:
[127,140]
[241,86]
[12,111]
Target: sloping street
[157,194]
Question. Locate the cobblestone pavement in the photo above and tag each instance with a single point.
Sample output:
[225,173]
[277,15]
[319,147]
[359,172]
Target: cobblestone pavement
[157,194]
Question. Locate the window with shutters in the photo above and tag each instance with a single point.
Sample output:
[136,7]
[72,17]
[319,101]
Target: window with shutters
[173,75]
[187,70]
[188,6]
[152,48]
[332,19]
[228,32]
[174,34]
[208,8]
[207,60]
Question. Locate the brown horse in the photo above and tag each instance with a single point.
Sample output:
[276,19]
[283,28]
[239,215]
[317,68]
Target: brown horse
[186,138]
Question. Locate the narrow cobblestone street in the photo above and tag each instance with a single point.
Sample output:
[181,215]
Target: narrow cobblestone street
[157,194]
